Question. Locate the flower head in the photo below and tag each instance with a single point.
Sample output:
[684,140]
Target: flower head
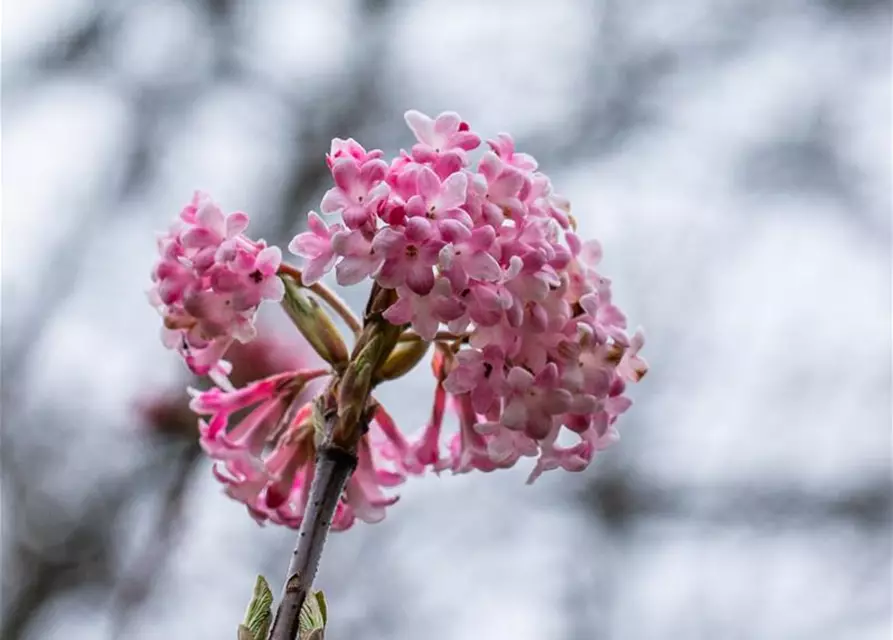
[208,282]
[490,253]
[481,258]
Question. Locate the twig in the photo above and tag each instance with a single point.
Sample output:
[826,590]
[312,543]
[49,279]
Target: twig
[333,468]
[330,297]
[341,418]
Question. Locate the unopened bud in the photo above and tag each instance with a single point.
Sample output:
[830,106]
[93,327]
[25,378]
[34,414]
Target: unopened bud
[403,359]
[259,613]
[313,617]
[314,324]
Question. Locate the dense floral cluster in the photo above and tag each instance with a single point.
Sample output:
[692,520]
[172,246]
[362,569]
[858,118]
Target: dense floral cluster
[208,284]
[485,262]
[489,252]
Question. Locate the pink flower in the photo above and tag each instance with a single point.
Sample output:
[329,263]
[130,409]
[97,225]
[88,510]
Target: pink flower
[250,277]
[533,401]
[363,492]
[359,190]
[209,226]
[481,374]
[425,452]
[467,254]
[208,282]
[316,246]
[632,367]
[442,136]
[409,256]
[504,147]
[266,459]
[491,254]
[425,313]
[359,257]
[438,200]
[506,188]
[534,348]
[575,458]
[350,148]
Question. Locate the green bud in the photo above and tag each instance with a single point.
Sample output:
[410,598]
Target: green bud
[403,359]
[313,617]
[259,614]
[314,324]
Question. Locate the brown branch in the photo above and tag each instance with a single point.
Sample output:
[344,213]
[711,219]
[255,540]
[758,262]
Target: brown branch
[333,468]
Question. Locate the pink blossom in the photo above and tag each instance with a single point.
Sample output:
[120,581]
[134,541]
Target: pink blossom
[208,282]
[504,146]
[534,349]
[265,460]
[548,348]
[533,401]
[359,258]
[446,135]
[425,452]
[316,246]
[363,491]
[467,254]
[425,313]
[631,366]
[506,187]
[350,148]
[575,458]
[481,374]
[438,200]
[409,255]
[359,190]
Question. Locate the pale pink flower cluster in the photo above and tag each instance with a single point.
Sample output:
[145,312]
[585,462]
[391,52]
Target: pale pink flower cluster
[487,251]
[208,282]
[484,259]
[266,459]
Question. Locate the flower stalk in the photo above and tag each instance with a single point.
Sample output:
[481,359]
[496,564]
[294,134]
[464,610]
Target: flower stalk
[333,468]
[341,418]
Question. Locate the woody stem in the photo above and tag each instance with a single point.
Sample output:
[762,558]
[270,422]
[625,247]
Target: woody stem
[333,468]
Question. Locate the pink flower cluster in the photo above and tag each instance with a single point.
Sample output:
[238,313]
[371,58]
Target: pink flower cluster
[532,355]
[274,481]
[208,283]
[488,251]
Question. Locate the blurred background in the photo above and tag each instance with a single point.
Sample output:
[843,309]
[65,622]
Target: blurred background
[733,156]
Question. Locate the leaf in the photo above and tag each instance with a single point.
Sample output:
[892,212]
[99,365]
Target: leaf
[313,617]
[259,614]
[323,606]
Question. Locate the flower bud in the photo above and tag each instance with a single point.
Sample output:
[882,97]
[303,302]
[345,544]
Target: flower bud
[403,359]
[314,324]
[259,614]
